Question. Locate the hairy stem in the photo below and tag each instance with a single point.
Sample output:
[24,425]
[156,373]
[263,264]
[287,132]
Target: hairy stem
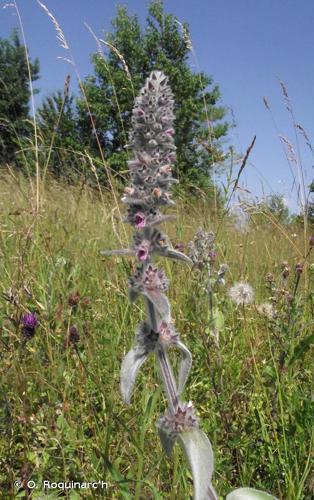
[168,379]
[164,364]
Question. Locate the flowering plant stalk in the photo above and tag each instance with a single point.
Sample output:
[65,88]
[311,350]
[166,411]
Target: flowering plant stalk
[153,154]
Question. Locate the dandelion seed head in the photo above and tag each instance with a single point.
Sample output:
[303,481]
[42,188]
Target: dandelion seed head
[267,310]
[242,294]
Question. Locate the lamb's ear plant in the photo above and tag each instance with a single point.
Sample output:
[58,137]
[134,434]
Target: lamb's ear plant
[153,154]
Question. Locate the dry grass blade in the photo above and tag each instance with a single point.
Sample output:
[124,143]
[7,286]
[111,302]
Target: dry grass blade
[60,34]
[287,143]
[120,57]
[242,166]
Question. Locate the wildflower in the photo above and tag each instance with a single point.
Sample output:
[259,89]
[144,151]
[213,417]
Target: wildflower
[285,269]
[29,322]
[151,278]
[266,309]
[73,336]
[179,246]
[74,299]
[241,294]
[153,154]
[201,248]
[299,268]
[151,282]
[184,419]
[142,252]
[140,220]
[269,278]
[167,333]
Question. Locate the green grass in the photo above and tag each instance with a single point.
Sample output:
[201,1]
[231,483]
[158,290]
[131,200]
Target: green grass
[61,415]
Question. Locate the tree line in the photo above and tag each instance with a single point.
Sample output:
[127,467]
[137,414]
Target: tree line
[71,134]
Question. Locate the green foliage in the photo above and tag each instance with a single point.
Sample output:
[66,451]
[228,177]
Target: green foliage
[60,145]
[61,415]
[133,53]
[14,95]
[272,207]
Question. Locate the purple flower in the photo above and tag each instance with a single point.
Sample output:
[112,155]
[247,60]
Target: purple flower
[142,252]
[140,220]
[73,336]
[179,246]
[29,321]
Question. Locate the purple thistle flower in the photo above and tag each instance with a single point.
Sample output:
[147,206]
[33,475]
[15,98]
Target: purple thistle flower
[29,322]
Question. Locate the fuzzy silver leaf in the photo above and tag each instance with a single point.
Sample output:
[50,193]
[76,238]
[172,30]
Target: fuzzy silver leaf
[185,365]
[199,453]
[129,370]
[249,494]
[166,440]
[160,301]
[174,254]
[122,251]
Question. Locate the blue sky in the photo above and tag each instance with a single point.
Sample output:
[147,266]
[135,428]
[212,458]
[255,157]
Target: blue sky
[246,45]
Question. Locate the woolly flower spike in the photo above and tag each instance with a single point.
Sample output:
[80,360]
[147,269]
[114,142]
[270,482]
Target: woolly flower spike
[202,248]
[151,282]
[241,294]
[150,278]
[153,152]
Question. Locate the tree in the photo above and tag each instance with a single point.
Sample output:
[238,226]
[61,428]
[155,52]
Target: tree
[61,149]
[132,53]
[276,205]
[14,95]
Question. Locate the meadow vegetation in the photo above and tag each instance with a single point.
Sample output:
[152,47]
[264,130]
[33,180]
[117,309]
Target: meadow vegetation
[62,417]
[65,319]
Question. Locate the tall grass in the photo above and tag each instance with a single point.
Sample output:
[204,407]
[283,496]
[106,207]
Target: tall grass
[61,415]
